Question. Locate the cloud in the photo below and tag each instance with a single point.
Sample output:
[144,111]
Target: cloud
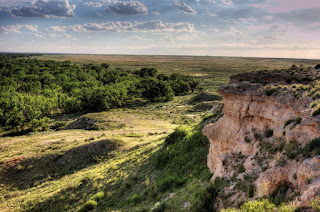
[242,12]
[149,26]
[300,17]
[93,4]
[17,28]
[215,30]
[183,7]
[45,8]
[234,31]
[155,13]
[226,2]
[128,8]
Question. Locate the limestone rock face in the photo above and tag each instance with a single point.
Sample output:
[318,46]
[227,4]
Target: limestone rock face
[308,170]
[240,138]
[272,178]
[311,192]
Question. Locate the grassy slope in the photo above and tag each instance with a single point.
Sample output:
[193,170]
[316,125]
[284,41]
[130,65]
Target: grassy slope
[61,170]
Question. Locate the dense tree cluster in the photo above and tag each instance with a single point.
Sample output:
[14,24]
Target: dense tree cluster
[31,89]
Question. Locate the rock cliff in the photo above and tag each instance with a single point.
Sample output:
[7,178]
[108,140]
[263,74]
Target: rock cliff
[265,138]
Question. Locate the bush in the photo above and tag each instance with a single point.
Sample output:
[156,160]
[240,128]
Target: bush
[289,121]
[241,168]
[179,134]
[156,91]
[88,206]
[98,196]
[170,182]
[268,133]
[158,207]
[278,196]
[316,111]
[146,72]
[292,149]
[312,148]
[258,205]
[205,199]
[315,204]
[270,91]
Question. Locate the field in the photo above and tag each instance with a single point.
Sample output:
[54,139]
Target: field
[211,71]
[114,167]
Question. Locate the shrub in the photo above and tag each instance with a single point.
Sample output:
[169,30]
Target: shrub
[294,176]
[135,198]
[170,182]
[179,134]
[88,206]
[270,91]
[146,72]
[247,139]
[230,210]
[287,208]
[316,111]
[251,191]
[241,168]
[312,148]
[162,158]
[278,196]
[308,180]
[257,136]
[292,149]
[158,207]
[98,196]
[59,125]
[268,133]
[156,91]
[262,205]
[289,121]
[315,204]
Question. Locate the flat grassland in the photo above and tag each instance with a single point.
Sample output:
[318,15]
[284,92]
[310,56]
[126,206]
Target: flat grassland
[63,170]
[211,71]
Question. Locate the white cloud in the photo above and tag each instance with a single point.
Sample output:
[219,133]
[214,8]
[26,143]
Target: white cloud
[17,28]
[183,7]
[234,31]
[215,30]
[45,8]
[149,26]
[39,35]
[93,4]
[155,13]
[128,8]
[226,2]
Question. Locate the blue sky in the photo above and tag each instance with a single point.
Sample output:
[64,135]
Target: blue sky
[257,28]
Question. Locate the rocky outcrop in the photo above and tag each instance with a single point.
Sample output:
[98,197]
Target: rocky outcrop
[260,120]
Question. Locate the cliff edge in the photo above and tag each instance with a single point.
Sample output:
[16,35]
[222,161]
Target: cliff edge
[269,136]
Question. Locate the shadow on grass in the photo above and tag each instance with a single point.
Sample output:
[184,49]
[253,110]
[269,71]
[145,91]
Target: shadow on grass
[30,172]
[16,133]
[204,97]
[121,189]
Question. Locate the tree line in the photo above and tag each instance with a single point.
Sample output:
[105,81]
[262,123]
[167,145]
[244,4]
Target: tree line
[32,90]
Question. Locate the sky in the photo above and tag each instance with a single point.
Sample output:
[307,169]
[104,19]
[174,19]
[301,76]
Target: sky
[243,28]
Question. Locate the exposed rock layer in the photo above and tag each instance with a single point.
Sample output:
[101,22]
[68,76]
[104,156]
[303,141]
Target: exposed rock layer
[249,113]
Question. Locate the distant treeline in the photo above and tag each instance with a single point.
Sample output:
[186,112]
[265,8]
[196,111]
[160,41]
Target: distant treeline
[31,89]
